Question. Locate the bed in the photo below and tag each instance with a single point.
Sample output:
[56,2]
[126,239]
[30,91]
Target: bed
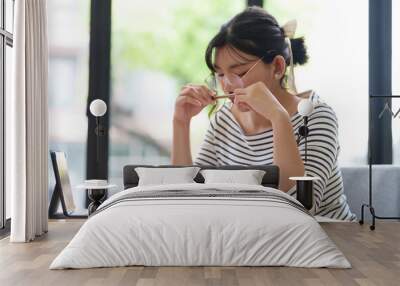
[199,224]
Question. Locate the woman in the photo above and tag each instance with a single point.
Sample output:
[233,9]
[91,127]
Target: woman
[250,57]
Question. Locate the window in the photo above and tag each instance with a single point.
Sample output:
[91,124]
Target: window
[336,34]
[6,43]
[68,30]
[151,59]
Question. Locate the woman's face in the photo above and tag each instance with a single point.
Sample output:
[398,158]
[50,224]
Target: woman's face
[231,66]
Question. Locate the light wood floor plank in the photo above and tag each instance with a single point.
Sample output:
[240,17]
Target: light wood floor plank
[374,255]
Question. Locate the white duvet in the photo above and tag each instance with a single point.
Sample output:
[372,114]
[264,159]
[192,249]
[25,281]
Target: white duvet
[183,231]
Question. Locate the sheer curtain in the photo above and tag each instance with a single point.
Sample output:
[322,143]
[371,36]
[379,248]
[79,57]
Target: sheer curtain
[27,124]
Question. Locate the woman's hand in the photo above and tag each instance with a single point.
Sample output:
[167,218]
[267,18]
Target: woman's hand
[260,99]
[191,100]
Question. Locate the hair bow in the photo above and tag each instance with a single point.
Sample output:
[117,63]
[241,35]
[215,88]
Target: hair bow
[290,28]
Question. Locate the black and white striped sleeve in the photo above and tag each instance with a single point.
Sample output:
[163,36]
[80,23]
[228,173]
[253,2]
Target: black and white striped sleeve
[207,154]
[322,149]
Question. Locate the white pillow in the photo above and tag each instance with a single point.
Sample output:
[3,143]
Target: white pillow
[163,176]
[248,177]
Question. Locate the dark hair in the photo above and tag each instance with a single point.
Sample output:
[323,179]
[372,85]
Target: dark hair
[256,32]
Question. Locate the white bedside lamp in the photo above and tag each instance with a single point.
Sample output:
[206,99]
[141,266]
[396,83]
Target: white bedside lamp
[305,108]
[304,185]
[98,108]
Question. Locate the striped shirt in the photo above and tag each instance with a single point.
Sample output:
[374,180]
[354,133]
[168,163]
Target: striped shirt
[226,144]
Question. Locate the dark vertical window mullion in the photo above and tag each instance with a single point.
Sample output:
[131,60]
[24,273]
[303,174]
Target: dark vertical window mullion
[2,116]
[99,86]
[2,137]
[380,80]
[6,39]
[259,3]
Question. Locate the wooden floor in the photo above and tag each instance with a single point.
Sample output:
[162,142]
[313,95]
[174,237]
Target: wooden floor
[374,255]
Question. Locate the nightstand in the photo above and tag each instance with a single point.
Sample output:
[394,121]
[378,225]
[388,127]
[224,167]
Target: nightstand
[97,194]
[304,190]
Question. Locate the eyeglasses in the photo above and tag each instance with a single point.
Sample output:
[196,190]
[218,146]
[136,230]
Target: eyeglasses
[234,80]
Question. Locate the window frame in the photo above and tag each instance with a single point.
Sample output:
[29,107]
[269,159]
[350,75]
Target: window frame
[99,83]
[382,151]
[6,39]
